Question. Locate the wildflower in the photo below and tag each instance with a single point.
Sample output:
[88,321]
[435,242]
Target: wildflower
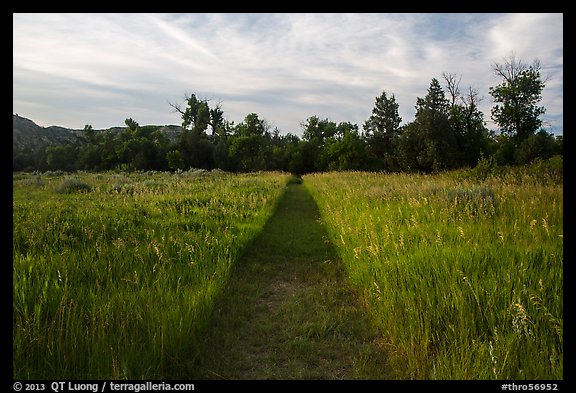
[461,232]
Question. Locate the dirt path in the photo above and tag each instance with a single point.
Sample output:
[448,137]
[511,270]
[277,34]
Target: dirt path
[288,311]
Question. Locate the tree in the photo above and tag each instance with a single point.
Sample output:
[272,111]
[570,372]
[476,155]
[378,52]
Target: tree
[410,147]
[453,87]
[540,145]
[217,122]
[348,152]
[197,151]
[318,131]
[89,134]
[382,130]
[131,124]
[175,160]
[316,136]
[470,129]
[385,118]
[428,144]
[62,157]
[466,120]
[251,126]
[196,116]
[249,143]
[517,113]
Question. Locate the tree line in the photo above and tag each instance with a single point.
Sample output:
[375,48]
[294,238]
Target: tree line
[448,132]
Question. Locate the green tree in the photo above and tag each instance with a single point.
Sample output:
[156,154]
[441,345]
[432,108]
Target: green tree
[196,149]
[89,134]
[348,152]
[428,143]
[197,115]
[382,130]
[62,157]
[517,112]
[317,130]
[132,124]
[467,123]
[90,157]
[251,126]
[248,144]
[175,160]
[540,145]
[290,154]
[217,122]
[410,149]
[316,136]
[23,159]
[161,147]
[385,118]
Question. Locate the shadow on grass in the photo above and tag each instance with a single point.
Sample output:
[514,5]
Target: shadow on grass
[288,311]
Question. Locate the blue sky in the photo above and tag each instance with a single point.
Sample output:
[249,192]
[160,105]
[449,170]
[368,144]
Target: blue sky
[76,69]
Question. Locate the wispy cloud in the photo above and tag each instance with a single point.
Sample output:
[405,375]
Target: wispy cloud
[76,69]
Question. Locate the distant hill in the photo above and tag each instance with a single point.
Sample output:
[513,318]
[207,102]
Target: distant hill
[27,134]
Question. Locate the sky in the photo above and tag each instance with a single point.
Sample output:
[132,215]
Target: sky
[71,70]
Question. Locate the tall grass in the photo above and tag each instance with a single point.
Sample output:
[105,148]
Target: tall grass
[114,274]
[463,276]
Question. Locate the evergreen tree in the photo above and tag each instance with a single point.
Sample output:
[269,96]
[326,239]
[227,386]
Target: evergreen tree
[385,119]
[382,130]
[432,144]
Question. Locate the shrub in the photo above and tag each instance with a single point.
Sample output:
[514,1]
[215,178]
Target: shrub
[486,167]
[551,170]
[473,200]
[72,185]
[34,181]
[54,173]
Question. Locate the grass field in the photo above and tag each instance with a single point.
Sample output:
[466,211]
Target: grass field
[288,311]
[362,275]
[115,274]
[464,277]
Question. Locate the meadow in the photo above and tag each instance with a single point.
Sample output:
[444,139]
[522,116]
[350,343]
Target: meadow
[461,271]
[114,274]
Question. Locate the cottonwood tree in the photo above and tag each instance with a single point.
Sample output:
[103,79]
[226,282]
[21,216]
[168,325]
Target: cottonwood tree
[248,144]
[517,112]
[196,150]
[317,134]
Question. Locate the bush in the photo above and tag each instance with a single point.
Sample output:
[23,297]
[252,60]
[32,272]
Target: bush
[34,181]
[479,200]
[486,167]
[550,170]
[55,173]
[73,185]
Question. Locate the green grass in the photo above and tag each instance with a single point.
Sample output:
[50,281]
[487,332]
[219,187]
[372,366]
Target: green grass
[288,311]
[463,277]
[349,275]
[115,274]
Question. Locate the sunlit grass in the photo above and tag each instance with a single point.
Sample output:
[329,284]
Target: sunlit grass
[463,277]
[114,274]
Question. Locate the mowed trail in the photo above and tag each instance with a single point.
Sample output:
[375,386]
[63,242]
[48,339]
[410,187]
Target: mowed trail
[288,311]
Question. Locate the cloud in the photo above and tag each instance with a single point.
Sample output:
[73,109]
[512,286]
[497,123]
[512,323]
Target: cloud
[77,69]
